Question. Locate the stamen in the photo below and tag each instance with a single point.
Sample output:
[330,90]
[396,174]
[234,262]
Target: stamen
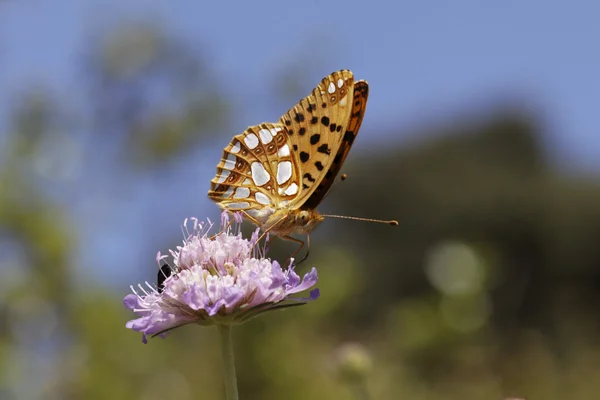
[151,287]
[142,289]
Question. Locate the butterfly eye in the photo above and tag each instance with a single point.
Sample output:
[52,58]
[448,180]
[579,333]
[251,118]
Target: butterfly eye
[302,218]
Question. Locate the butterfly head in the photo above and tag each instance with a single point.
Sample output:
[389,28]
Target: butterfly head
[306,220]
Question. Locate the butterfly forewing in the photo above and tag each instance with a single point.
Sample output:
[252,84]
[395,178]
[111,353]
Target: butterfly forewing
[349,130]
[291,164]
[316,127]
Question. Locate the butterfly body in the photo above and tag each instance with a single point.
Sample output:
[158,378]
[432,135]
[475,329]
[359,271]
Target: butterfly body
[288,222]
[276,174]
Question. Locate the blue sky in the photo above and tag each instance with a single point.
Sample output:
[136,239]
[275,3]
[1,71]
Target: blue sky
[422,59]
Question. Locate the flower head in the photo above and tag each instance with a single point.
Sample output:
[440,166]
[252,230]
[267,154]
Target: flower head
[224,279]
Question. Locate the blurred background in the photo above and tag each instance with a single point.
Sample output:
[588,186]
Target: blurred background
[480,138]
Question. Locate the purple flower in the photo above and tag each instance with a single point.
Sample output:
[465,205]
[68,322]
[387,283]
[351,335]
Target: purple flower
[219,280]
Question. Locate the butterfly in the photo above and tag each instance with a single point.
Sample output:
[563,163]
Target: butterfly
[276,174]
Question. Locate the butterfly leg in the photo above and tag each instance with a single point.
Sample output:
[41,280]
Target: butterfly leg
[251,218]
[291,239]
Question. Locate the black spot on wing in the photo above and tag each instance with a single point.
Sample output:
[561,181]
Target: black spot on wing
[324,149]
[308,177]
[349,137]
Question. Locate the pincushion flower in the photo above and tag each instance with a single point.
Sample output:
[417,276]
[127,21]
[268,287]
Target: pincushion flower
[220,280]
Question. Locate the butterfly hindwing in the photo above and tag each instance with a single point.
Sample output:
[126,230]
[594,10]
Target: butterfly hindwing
[257,170]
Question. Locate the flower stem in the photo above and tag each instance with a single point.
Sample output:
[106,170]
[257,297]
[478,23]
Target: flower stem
[228,362]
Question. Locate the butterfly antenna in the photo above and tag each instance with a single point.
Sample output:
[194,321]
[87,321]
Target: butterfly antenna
[391,222]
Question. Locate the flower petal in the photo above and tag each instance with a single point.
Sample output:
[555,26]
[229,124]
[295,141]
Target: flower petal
[220,279]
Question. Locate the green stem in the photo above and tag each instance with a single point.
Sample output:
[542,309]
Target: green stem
[228,362]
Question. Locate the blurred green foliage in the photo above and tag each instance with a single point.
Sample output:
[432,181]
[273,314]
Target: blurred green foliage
[487,289]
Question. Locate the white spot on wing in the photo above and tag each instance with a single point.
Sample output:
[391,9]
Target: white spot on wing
[247,182]
[251,141]
[235,148]
[265,136]
[331,88]
[260,176]
[275,131]
[343,101]
[340,83]
[241,193]
[291,190]
[227,194]
[262,198]
[284,172]
[224,174]
[284,151]
[238,206]
[230,162]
